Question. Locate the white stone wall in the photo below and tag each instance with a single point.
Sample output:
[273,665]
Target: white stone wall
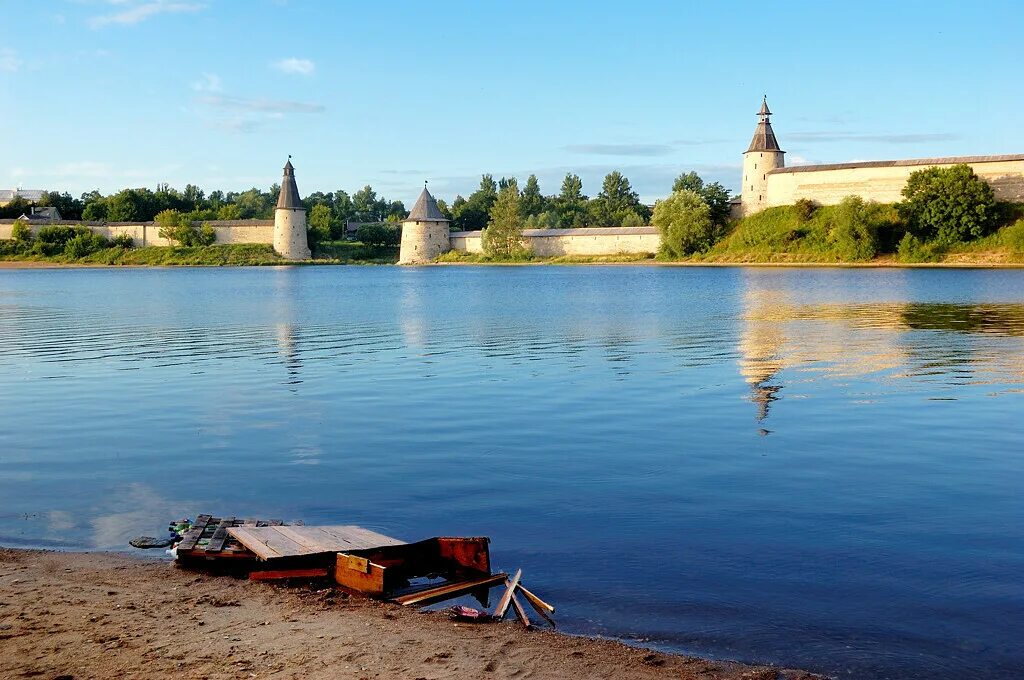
[148,233]
[584,241]
[423,241]
[829,185]
[755,189]
[290,234]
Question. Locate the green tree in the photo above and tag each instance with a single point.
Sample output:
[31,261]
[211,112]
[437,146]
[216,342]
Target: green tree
[95,210]
[684,220]
[853,232]
[532,202]
[229,211]
[715,195]
[948,205]
[365,205]
[571,203]
[70,208]
[475,212]
[21,232]
[503,238]
[320,223]
[616,200]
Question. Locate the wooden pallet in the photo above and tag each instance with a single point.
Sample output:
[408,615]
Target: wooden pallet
[208,539]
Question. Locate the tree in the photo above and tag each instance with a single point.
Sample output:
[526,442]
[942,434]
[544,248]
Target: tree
[854,229]
[616,200]
[69,208]
[571,203]
[532,202]
[715,195]
[474,213]
[320,223]
[21,232]
[684,220]
[503,238]
[947,205]
[364,205]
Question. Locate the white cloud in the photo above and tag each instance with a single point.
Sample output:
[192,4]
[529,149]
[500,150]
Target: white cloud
[209,82]
[261,105]
[9,61]
[140,12]
[303,67]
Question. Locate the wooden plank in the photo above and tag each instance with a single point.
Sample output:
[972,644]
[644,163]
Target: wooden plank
[536,607]
[520,612]
[537,603]
[359,575]
[287,573]
[358,537]
[266,544]
[506,598]
[190,537]
[449,590]
[289,541]
[219,536]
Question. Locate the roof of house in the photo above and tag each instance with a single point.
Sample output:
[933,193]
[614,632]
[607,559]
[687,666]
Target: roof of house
[949,160]
[289,196]
[426,209]
[27,194]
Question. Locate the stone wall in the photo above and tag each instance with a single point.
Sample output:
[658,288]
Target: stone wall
[883,181]
[148,234]
[584,241]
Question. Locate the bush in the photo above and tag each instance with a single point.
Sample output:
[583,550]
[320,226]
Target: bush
[58,235]
[379,235]
[854,229]
[1013,237]
[684,220]
[207,235]
[84,244]
[175,226]
[912,249]
[123,241]
[948,205]
[805,209]
[632,220]
[21,232]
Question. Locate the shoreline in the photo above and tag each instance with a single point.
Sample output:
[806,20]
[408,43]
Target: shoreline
[94,614]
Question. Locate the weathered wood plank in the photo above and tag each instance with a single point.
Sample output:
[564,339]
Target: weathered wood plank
[537,603]
[449,590]
[506,598]
[267,544]
[289,541]
[287,573]
[520,612]
[220,536]
[530,597]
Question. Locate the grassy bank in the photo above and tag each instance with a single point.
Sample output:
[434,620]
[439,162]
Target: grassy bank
[237,255]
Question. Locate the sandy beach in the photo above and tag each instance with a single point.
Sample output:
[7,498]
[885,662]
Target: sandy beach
[102,615]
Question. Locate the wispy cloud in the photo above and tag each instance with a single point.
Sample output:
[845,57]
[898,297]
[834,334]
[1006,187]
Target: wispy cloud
[620,149]
[303,67]
[260,105]
[899,138]
[137,12]
[209,82]
[9,61]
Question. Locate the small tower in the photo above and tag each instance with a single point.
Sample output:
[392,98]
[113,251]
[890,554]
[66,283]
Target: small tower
[290,219]
[424,232]
[763,156]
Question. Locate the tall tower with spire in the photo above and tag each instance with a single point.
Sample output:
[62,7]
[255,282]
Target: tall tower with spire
[763,156]
[424,232]
[290,219]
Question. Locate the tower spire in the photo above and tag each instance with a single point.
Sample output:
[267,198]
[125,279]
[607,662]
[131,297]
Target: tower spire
[764,136]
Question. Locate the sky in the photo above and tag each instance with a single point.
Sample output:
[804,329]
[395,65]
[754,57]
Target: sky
[110,94]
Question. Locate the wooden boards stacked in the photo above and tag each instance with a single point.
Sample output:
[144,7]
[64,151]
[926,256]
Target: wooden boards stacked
[278,542]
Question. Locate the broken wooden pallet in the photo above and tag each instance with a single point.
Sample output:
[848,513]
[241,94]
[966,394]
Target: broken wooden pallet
[277,542]
[208,538]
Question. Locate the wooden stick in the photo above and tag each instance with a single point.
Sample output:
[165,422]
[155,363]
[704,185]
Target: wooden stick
[536,601]
[286,573]
[517,606]
[506,598]
[540,610]
[449,590]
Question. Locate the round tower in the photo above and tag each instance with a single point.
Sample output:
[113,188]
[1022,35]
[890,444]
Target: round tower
[763,156]
[290,219]
[424,232]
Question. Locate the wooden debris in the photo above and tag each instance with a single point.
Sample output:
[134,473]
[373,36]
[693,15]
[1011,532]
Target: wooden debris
[506,598]
[449,590]
[517,606]
[537,603]
[288,573]
[275,542]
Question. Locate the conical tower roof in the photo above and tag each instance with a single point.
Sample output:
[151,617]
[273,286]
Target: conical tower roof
[764,136]
[289,196]
[426,209]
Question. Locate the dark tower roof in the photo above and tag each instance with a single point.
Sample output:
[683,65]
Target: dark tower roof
[426,209]
[289,197]
[764,136]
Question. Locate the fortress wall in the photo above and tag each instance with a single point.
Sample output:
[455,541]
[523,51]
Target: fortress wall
[148,234]
[584,241]
[883,181]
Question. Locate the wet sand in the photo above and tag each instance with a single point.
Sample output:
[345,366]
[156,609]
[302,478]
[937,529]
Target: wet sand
[101,615]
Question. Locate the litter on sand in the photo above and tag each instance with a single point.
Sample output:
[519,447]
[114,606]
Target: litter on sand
[358,560]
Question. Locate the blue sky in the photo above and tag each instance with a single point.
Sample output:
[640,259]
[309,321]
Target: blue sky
[111,94]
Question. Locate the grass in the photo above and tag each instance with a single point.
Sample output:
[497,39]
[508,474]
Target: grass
[235,255]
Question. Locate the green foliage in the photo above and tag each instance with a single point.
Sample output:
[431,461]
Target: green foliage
[180,228]
[21,232]
[59,234]
[379,235]
[853,229]
[207,236]
[473,213]
[1013,237]
[319,223]
[84,244]
[805,209]
[684,220]
[715,195]
[503,238]
[616,200]
[947,205]
[912,250]
[122,241]
[571,203]
[532,201]
[632,220]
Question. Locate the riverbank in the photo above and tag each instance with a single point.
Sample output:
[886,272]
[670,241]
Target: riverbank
[110,615]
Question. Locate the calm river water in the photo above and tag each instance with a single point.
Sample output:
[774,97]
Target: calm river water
[818,468]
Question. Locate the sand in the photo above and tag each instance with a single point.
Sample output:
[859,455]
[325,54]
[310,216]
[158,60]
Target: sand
[101,615]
